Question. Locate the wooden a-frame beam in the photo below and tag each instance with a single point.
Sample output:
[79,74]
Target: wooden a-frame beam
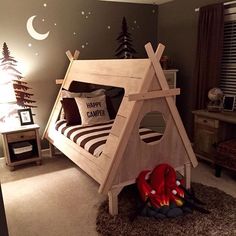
[71,57]
[54,115]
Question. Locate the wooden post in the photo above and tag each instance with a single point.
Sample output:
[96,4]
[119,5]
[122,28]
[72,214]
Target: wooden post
[113,200]
[51,150]
[187,175]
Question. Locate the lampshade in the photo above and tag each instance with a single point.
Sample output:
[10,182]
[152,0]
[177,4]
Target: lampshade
[7,93]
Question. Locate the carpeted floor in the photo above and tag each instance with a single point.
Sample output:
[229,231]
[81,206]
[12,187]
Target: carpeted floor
[59,199]
[54,199]
[221,220]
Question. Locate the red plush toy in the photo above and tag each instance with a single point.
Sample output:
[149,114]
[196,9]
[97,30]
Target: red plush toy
[163,187]
[164,195]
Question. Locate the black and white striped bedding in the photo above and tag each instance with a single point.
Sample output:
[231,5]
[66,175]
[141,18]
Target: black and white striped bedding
[93,138]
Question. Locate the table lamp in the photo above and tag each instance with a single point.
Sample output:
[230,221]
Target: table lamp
[8,107]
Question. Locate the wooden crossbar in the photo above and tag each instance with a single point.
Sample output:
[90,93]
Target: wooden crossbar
[153,94]
[59,81]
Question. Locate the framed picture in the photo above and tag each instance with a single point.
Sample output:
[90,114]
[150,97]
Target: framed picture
[25,116]
[228,102]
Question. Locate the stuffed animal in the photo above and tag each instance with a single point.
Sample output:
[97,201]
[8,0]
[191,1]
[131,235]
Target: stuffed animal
[164,195]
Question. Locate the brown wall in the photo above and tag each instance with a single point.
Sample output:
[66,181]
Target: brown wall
[177,30]
[95,23]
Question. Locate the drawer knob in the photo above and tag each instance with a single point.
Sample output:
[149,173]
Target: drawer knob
[22,136]
[205,121]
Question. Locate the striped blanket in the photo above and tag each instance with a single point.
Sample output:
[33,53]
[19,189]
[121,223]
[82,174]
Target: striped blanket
[93,138]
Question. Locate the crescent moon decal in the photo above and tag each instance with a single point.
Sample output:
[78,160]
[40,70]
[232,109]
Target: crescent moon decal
[32,32]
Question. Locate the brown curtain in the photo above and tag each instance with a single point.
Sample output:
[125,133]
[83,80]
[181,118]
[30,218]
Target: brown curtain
[209,51]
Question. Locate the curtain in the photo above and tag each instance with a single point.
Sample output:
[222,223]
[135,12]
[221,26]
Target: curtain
[209,51]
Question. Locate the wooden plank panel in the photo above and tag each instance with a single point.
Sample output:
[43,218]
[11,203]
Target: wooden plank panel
[118,126]
[111,145]
[113,67]
[128,83]
[86,161]
[146,156]
[125,107]
[178,122]
[103,161]
[128,126]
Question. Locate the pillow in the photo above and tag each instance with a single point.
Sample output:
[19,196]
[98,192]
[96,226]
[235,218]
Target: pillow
[93,110]
[68,94]
[94,93]
[114,99]
[71,111]
[110,108]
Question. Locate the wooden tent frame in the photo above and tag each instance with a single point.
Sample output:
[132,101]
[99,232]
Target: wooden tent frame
[125,154]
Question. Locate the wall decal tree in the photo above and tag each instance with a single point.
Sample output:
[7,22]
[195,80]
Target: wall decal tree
[125,49]
[8,64]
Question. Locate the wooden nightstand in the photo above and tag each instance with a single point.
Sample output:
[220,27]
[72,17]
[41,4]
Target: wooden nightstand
[20,136]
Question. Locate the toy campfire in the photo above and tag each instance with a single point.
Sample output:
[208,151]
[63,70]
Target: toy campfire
[163,194]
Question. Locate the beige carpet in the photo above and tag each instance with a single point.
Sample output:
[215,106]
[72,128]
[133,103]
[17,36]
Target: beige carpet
[58,199]
[55,199]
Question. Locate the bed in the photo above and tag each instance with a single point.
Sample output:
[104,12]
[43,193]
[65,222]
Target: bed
[124,153]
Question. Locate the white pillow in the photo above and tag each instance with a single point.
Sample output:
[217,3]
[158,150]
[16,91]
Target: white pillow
[92,110]
[68,94]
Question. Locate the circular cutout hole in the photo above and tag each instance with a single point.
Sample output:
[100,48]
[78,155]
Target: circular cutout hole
[152,127]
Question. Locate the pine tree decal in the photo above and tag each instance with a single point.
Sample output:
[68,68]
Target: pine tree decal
[8,64]
[125,50]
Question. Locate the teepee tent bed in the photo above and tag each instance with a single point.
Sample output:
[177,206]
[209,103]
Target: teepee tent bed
[123,154]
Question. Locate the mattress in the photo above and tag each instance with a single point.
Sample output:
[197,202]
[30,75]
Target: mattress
[93,138]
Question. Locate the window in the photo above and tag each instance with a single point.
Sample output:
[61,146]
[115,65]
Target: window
[228,63]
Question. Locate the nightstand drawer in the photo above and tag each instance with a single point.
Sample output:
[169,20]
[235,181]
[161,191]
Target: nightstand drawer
[21,136]
[206,121]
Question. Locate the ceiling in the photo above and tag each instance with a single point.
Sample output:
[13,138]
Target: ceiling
[157,2]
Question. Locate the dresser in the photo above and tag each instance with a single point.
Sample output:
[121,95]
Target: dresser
[211,128]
